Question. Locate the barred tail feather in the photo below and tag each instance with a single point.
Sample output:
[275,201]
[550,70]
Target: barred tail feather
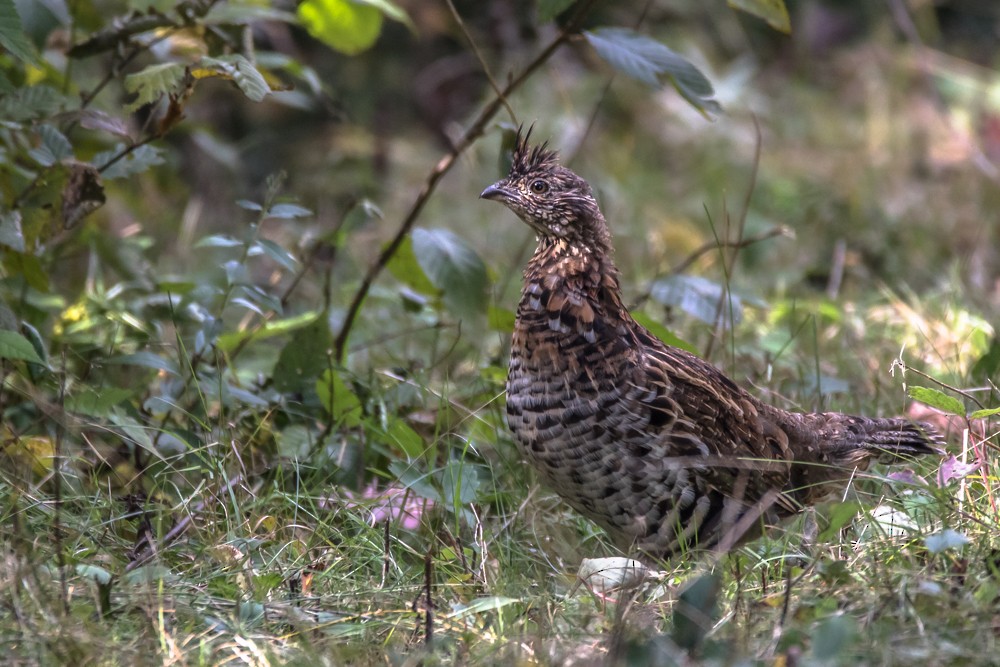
[892,438]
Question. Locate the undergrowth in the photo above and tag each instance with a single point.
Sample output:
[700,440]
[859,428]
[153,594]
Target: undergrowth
[268,427]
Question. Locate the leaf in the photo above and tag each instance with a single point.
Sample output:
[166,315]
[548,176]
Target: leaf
[832,636]
[664,334]
[500,319]
[146,360]
[983,414]
[698,297]
[13,36]
[136,162]
[304,358]
[840,514]
[237,69]
[392,11]
[937,399]
[228,341]
[153,82]
[53,148]
[549,9]
[288,211]
[401,434]
[278,254]
[988,365]
[15,346]
[696,611]
[453,267]
[33,102]
[951,469]
[218,241]
[99,121]
[481,605]
[460,483]
[647,60]
[405,267]
[345,26]
[97,403]
[772,11]
[338,399]
[944,540]
[11,235]
[98,574]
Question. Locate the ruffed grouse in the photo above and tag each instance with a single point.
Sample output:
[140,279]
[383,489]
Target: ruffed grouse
[654,444]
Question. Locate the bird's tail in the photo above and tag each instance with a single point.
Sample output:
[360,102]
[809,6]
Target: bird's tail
[885,440]
[890,438]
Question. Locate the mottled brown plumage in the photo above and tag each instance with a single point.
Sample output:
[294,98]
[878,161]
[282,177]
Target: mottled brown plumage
[654,444]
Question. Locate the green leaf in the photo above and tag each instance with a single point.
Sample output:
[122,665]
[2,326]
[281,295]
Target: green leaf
[54,147]
[34,102]
[647,60]
[937,399]
[696,611]
[218,241]
[228,341]
[549,9]
[136,162]
[772,11]
[278,254]
[146,360]
[500,319]
[664,334]
[94,572]
[453,267]
[15,346]
[345,26]
[12,34]
[288,211]
[11,235]
[97,403]
[832,637]
[392,11]
[988,365]
[481,605]
[402,435]
[982,414]
[338,398]
[237,69]
[698,297]
[151,83]
[839,515]
[304,358]
[405,267]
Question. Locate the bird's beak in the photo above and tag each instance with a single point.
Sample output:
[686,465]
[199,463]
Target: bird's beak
[495,192]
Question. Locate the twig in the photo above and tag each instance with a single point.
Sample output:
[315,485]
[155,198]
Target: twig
[730,259]
[479,56]
[442,167]
[898,362]
[709,246]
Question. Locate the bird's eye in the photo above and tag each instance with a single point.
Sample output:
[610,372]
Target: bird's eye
[539,187]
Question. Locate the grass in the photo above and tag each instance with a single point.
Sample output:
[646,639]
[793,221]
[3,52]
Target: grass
[413,534]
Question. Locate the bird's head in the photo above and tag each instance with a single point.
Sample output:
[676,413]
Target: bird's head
[555,202]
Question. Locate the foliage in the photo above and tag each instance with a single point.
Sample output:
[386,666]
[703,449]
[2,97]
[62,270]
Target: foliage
[244,415]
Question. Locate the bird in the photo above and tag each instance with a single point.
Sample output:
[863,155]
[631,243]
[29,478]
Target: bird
[654,444]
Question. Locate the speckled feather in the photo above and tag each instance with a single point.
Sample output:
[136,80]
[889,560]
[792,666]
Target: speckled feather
[656,445]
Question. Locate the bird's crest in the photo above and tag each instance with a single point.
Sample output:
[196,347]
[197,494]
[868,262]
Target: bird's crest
[527,158]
